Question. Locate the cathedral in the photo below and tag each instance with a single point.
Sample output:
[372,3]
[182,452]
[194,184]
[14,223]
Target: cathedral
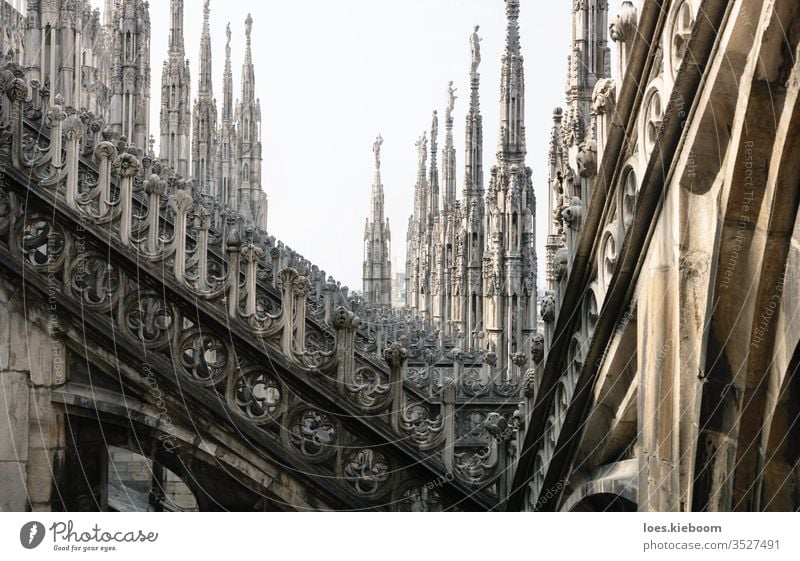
[104,66]
[160,350]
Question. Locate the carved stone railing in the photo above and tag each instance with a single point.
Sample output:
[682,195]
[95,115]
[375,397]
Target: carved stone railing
[122,239]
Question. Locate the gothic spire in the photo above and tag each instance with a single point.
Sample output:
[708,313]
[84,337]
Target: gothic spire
[205,81]
[377,208]
[432,202]
[176,29]
[227,80]
[421,190]
[176,118]
[473,175]
[512,92]
[248,72]
[449,154]
[204,120]
[377,272]
[589,61]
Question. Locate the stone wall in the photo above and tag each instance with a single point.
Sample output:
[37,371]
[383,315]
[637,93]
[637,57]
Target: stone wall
[31,427]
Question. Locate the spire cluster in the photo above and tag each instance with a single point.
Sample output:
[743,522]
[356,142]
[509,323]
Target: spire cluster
[471,266]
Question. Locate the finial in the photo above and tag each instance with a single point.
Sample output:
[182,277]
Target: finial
[248,26]
[228,35]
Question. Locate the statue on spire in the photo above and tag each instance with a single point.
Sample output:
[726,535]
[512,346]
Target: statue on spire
[248,26]
[475,48]
[228,35]
[376,148]
[422,149]
[451,100]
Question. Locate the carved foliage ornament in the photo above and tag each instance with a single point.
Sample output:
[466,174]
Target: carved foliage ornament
[367,472]
[148,318]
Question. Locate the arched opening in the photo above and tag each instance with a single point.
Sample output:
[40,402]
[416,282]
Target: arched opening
[604,502]
[140,484]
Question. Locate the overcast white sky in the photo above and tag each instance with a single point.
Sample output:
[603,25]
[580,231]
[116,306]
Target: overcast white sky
[332,74]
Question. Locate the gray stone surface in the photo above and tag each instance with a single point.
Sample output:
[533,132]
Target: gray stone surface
[13,496]
[14,394]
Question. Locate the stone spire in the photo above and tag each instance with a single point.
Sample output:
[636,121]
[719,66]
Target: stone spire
[590,61]
[421,188]
[509,259]
[377,208]
[432,198]
[377,276]
[204,86]
[511,145]
[252,200]
[129,71]
[225,182]
[248,71]
[176,46]
[467,304]
[204,118]
[473,161]
[109,10]
[227,80]
[449,155]
[416,237]
[176,119]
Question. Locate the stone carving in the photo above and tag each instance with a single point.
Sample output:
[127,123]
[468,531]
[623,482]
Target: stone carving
[498,426]
[604,97]
[42,244]
[370,388]
[549,308]
[376,149]
[529,385]
[572,213]
[681,32]
[422,149]
[425,430]
[475,466]
[367,472]
[475,50]
[313,434]
[204,358]
[587,158]
[257,395]
[419,497]
[451,100]
[96,280]
[475,382]
[537,348]
[623,27]
[149,318]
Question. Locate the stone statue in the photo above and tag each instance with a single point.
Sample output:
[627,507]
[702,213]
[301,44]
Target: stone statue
[228,34]
[475,48]
[376,148]
[422,148]
[248,26]
[451,99]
